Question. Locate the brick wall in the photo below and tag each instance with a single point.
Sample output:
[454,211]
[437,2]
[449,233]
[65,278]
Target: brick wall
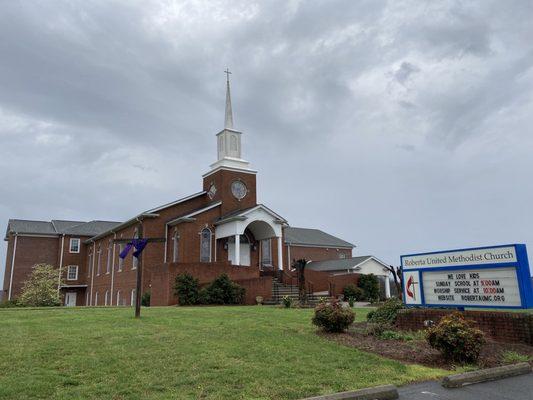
[501,326]
[311,253]
[163,277]
[319,281]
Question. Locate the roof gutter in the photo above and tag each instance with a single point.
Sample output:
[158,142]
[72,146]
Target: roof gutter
[117,228]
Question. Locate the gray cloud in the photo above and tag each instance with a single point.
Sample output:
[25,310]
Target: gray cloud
[399,126]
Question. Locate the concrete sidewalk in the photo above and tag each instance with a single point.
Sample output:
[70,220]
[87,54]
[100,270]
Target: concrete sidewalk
[515,388]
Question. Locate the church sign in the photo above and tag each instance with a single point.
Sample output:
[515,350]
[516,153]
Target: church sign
[495,277]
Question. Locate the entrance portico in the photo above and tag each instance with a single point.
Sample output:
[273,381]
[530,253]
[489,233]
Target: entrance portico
[262,222]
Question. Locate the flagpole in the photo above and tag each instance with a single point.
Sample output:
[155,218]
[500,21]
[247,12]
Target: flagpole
[139,276]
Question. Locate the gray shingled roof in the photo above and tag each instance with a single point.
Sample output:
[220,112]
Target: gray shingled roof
[56,227]
[312,237]
[62,225]
[337,264]
[92,228]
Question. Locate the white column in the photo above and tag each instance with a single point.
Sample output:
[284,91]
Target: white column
[237,260]
[387,287]
[280,253]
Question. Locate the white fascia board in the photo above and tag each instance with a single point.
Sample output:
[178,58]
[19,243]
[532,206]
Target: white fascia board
[318,245]
[192,196]
[123,225]
[267,210]
[185,217]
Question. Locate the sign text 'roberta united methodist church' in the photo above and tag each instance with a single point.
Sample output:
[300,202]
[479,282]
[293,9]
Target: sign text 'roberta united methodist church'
[497,277]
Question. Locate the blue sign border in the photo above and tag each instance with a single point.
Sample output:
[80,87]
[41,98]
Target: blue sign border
[522,273]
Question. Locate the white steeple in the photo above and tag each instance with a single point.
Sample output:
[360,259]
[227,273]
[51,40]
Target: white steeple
[228,122]
[229,139]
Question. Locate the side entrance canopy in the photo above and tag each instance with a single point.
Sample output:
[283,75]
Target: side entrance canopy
[260,220]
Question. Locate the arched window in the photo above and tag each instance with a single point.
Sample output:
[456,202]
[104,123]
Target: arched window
[118,297]
[266,253]
[96,299]
[105,298]
[175,246]
[205,245]
[87,299]
[132,300]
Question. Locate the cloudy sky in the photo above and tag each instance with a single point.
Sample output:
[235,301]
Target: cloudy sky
[399,126]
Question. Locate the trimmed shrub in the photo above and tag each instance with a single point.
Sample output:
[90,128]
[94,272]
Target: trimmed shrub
[286,301]
[351,291]
[386,313]
[223,291]
[375,329]
[145,299]
[456,338]
[186,288]
[332,317]
[370,286]
[203,296]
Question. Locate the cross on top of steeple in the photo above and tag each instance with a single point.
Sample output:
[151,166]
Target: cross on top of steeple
[227,72]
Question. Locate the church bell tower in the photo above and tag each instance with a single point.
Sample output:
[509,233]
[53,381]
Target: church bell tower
[230,179]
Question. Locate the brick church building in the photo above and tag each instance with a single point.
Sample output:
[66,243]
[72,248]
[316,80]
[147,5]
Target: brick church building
[221,229]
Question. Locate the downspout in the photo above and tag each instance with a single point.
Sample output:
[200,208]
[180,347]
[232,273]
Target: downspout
[166,243]
[12,267]
[92,274]
[289,255]
[60,263]
[113,271]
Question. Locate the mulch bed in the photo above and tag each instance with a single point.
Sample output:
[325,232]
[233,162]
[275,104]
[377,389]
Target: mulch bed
[418,351]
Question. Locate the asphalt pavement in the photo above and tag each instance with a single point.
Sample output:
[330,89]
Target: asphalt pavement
[515,388]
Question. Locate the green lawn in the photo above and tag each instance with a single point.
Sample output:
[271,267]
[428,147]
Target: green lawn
[181,353]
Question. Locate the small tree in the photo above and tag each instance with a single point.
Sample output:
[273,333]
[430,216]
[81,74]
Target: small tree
[370,285]
[40,290]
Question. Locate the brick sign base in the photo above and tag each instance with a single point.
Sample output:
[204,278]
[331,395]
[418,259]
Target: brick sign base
[500,326]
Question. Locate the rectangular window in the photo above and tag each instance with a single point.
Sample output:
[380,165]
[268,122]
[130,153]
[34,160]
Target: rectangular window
[266,253]
[134,262]
[74,245]
[98,264]
[120,259]
[72,273]
[90,266]
[108,267]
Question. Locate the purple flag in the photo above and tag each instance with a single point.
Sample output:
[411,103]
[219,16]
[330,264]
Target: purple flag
[123,254]
[139,244]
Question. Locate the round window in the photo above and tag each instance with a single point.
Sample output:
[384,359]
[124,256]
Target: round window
[238,189]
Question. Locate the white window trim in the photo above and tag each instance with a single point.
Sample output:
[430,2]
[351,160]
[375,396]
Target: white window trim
[118,297]
[70,245]
[96,298]
[106,296]
[68,273]
[132,300]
